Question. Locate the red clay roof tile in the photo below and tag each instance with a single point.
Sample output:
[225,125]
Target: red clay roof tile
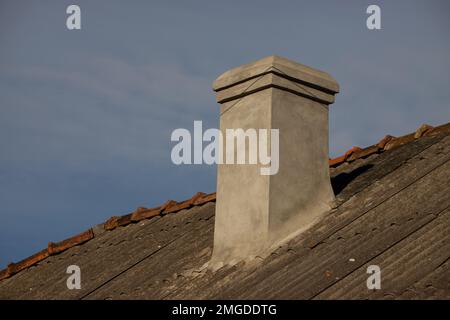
[387,143]
[351,151]
[363,153]
[382,143]
[124,220]
[111,223]
[422,130]
[139,215]
[336,161]
[117,221]
[4,274]
[339,160]
[438,130]
[13,268]
[396,142]
[166,206]
[54,248]
[207,198]
[185,204]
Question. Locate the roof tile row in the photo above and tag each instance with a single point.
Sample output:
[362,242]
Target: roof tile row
[139,214]
[387,143]
[52,249]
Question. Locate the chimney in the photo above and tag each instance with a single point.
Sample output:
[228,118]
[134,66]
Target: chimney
[255,212]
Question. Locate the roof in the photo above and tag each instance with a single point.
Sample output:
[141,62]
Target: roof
[392,210]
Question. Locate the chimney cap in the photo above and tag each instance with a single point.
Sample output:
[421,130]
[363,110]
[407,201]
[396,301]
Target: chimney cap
[282,67]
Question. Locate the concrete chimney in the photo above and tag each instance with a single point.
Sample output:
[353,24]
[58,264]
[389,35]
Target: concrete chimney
[255,212]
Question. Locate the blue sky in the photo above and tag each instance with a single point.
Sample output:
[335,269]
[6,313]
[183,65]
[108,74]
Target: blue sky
[86,116]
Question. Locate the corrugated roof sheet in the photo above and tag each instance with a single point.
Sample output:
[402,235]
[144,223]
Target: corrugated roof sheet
[373,188]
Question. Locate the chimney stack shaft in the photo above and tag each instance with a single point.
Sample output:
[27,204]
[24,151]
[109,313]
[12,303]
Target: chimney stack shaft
[256,211]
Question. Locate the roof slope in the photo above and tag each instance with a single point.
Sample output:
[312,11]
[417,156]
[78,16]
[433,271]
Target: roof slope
[393,210]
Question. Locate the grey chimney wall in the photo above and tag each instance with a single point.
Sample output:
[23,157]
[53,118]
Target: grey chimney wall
[255,212]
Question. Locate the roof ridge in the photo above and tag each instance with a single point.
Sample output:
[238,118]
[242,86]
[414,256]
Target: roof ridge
[387,143]
[141,213]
